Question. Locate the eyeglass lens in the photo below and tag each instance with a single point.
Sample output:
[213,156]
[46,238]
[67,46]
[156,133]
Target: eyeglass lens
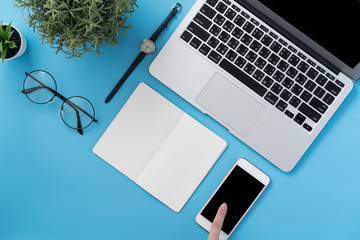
[36,84]
[77,112]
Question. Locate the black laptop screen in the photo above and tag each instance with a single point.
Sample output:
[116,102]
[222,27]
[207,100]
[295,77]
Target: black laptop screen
[332,24]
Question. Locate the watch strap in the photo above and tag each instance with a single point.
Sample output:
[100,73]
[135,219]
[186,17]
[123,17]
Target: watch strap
[136,62]
[173,12]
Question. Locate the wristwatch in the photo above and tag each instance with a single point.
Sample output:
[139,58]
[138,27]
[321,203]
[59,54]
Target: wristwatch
[147,47]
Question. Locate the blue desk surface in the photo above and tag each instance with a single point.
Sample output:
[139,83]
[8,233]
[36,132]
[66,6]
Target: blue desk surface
[52,186]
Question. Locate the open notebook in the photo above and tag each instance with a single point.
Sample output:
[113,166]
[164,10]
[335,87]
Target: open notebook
[158,146]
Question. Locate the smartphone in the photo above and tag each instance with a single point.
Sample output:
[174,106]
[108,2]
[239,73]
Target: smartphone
[240,188]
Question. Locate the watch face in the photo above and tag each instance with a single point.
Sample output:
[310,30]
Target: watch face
[148,46]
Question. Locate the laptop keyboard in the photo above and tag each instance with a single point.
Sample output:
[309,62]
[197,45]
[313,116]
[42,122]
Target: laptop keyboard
[258,57]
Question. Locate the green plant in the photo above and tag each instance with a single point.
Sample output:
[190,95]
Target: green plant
[76,27]
[5,42]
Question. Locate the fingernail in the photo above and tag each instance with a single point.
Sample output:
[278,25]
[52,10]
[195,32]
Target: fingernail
[223,207]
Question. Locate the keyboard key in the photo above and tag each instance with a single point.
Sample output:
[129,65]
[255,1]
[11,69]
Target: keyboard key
[251,56]
[212,2]
[319,92]
[312,73]
[265,29]
[237,32]
[275,46]
[219,19]
[330,76]
[242,49]
[255,45]
[239,20]
[208,11]
[285,94]
[264,52]
[221,7]
[257,33]
[301,55]
[328,99]
[287,83]
[231,55]
[273,59]
[267,82]
[258,75]
[269,69]
[233,43]
[248,27]
[204,49]
[213,42]
[222,49]
[340,83]
[273,35]
[240,62]
[320,69]
[283,65]
[311,63]
[278,76]
[260,63]
[282,41]
[245,14]
[296,89]
[291,72]
[332,88]
[310,85]
[237,9]
[254,22]
[301,79]
[242,77]
[276,88]
[202,21]
[321,80]
[246,39]
[306,96]
[281,105]
[289,114]
[294,60]
[224,36]
[294,101]
[195,43]
[307,127]
[215,30]
[271,98]
[249,68]
[214,56]
[227,2]
[186,36]
[228,26]
[284,53]
[292,49]
[230,14]
[300,119]
[266,40]
[198,31]
[318,105]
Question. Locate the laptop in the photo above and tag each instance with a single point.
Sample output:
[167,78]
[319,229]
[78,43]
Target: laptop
[273,72]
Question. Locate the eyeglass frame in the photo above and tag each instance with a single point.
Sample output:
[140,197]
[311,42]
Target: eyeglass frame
[64,99]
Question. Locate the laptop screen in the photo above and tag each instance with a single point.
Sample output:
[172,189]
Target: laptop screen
[334,25]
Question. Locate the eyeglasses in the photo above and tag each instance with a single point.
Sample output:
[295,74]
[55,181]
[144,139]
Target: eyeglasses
[76,112]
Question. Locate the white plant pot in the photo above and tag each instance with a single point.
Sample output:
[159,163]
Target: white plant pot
[23,45]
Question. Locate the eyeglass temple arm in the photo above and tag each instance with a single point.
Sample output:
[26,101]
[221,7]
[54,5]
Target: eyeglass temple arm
[56,94]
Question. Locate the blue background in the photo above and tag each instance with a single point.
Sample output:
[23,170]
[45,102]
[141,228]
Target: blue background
[53,187]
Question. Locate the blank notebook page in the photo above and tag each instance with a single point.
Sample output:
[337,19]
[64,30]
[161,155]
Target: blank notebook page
[161,148]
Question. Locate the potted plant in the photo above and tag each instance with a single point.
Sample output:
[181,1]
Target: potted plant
[76,27]
[12,42]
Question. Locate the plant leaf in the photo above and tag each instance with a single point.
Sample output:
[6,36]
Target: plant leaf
[12,44]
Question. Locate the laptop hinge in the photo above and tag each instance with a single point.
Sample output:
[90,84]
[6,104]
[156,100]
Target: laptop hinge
[291,37]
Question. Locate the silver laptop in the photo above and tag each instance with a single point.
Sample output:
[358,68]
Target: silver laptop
[273,72]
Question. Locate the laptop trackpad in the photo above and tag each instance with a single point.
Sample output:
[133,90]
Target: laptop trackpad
[230,104]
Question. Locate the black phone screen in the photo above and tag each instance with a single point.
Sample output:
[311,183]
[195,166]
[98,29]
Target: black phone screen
[238,191]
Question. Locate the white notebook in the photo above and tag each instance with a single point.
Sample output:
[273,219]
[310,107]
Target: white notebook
[159,147]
